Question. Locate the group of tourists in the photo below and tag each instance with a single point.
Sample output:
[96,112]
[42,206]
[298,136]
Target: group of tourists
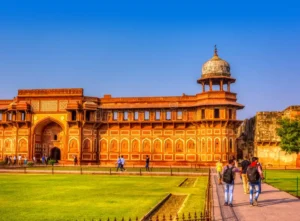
[251,175]
[13,160]
[121,163]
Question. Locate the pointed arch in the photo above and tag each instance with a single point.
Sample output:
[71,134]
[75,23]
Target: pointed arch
[209,145]
[179,146]
[8,144]
[231,147]
[203,145]
[217,145]
[124,145]
[114,147]
[146,145]
[157,145]
[191,145]
[168,145]
[225,145]
[103,145]
[23,145]
[135,145]
[86,145]
[73,145]
[45,121]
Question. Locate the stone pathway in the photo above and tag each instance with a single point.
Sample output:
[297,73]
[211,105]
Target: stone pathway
[273,204]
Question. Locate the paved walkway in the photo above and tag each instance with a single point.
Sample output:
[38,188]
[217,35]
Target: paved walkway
[273,204]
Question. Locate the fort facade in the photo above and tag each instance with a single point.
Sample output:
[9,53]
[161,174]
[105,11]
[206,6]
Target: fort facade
[175,130]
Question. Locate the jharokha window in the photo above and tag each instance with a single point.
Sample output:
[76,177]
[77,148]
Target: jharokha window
[216,113]
[125,115]
[168,115]
[203,114]
[136,115]
[230,113]
[73,115]
[179,115]
[115,115]
[147,115]
[157,115]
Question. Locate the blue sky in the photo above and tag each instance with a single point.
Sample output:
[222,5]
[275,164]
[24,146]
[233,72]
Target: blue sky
[152,48]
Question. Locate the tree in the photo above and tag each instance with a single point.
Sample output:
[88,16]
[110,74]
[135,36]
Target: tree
[289,132]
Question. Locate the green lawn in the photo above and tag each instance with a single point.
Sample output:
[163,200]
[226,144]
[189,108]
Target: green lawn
[113,169]
[285,180]
[79,197]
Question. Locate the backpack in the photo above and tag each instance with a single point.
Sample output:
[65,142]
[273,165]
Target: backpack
[228,175]
[252,174]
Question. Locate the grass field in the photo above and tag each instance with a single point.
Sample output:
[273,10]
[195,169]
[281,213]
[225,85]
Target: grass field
[285,180]
[79,197]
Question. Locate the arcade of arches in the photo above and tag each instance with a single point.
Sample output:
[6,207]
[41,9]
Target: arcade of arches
[183,130]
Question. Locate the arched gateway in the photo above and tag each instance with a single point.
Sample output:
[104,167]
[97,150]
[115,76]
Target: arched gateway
[48,139]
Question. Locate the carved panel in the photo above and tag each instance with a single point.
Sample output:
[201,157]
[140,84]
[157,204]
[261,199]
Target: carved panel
[87,146]
[157,146]
[23,145]
[73,145]
[48,106]
[87,132]
[35,105]
[168,157]
[135,132]
[157,157]
[168,132]
[191,157]
[217,146]
[114,146]
[73,131]
[103,146]
[135,146]
[7,145]
[191,147]
[23,132]
[179,146]
[168,146]
[191,132]
[124,146]
[217,131]
[135,157]
[146,146]
[179,132]
[63,105]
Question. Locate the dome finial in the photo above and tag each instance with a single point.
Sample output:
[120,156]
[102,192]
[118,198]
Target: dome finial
[216,51]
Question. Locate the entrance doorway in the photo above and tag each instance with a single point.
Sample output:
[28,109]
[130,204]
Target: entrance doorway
[55,154]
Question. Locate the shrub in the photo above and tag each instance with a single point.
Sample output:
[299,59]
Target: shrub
[52,162]
[30,164]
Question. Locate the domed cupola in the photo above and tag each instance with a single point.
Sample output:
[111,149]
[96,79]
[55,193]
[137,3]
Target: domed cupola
[216,72]
[215,67]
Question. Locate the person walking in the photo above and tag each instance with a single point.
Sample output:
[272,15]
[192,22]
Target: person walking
[245,163]
[122,163]
[254,174]
[75,160]
[147,163]
[219,167]
[260,166]
[19,160]
[119,164]
[228,175]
